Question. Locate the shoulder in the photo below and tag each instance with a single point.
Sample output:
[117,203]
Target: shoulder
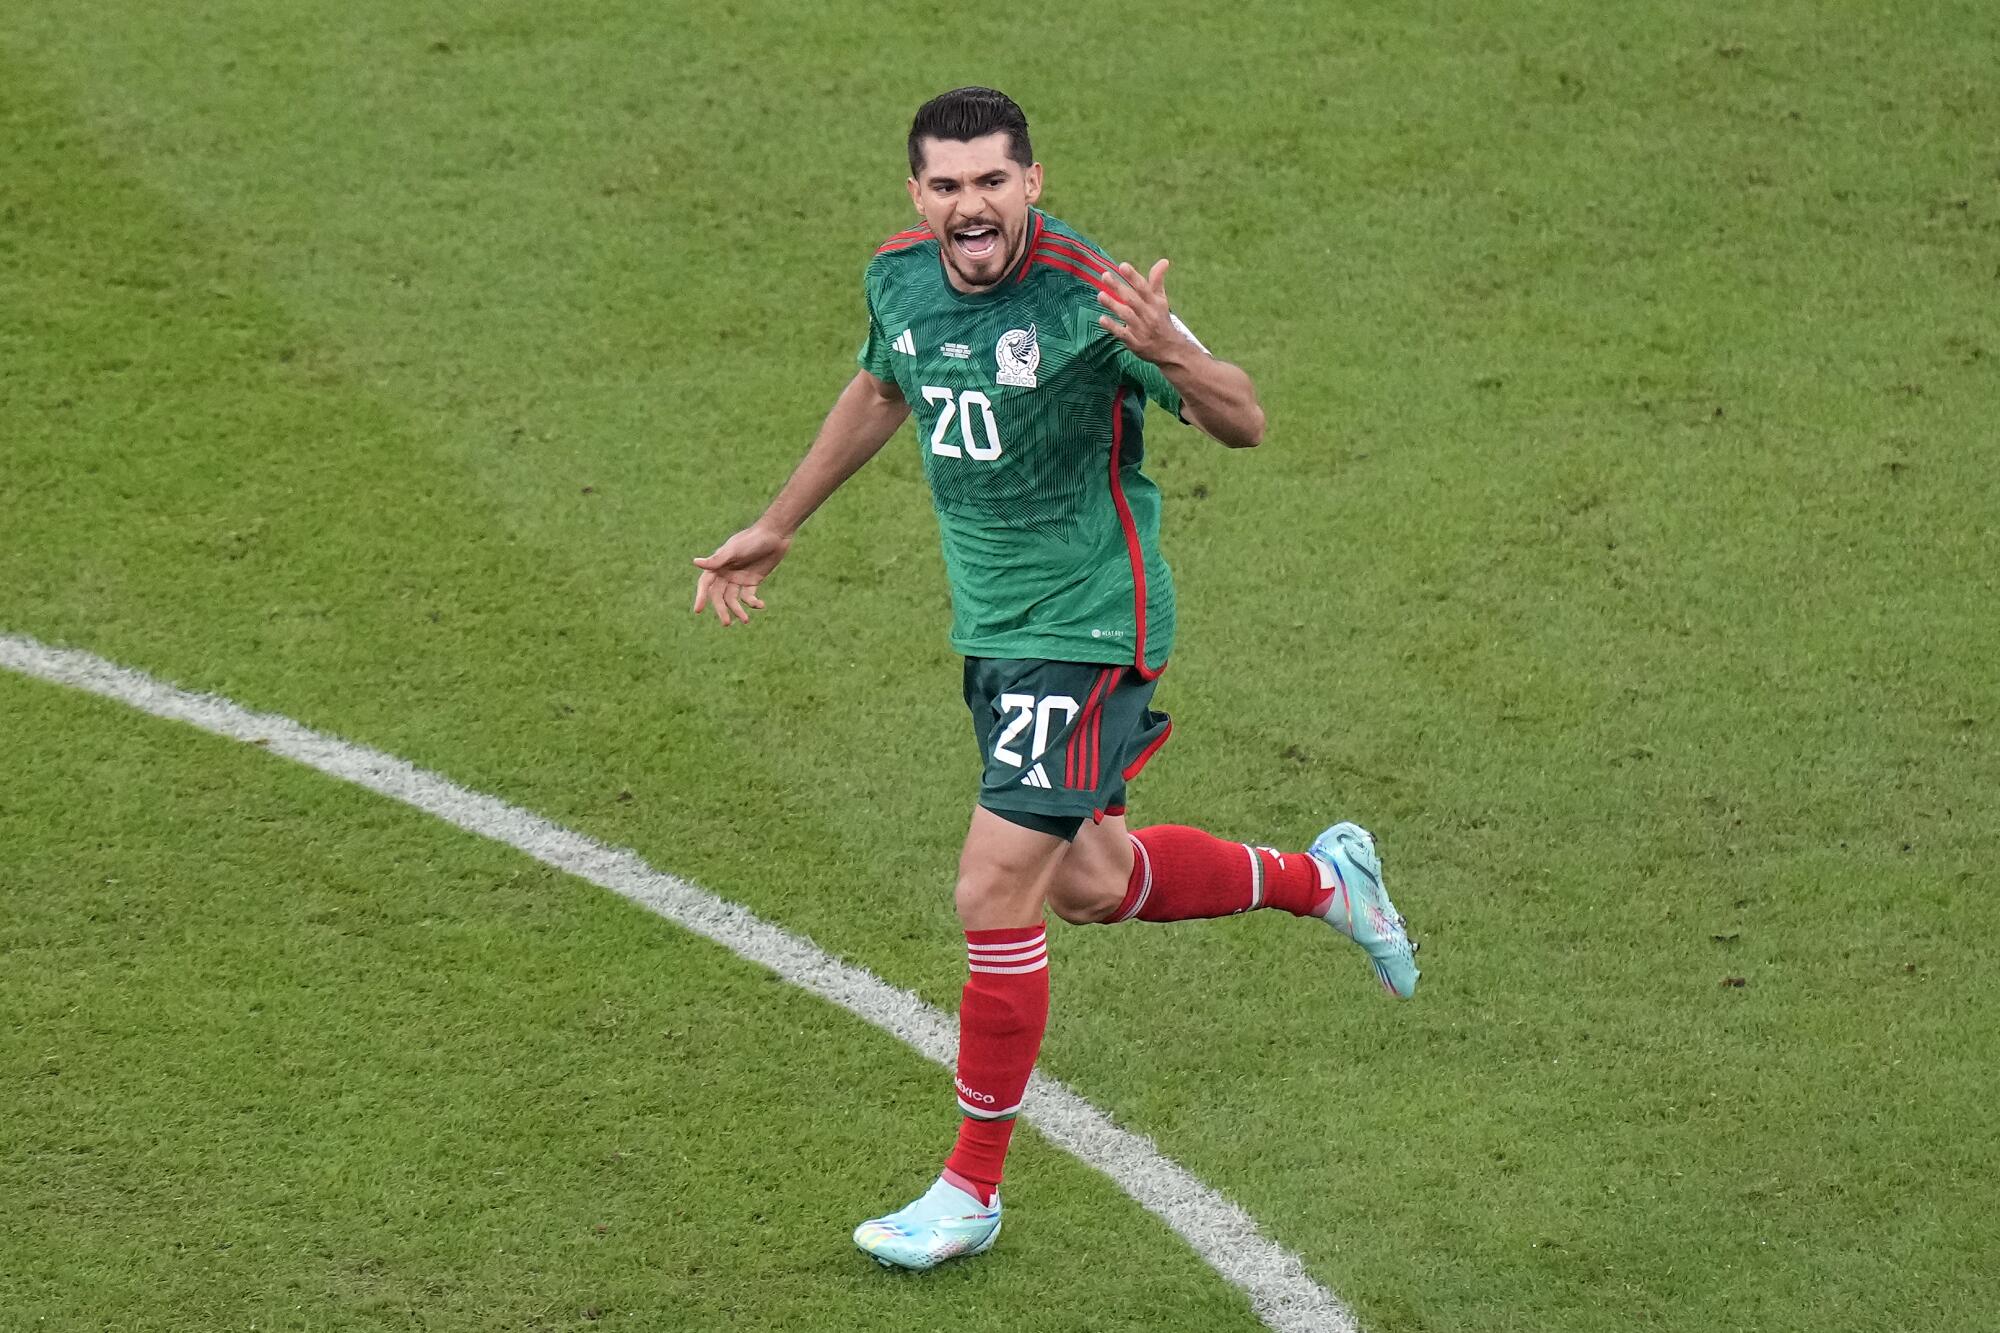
[894,269]
[896,251]
[1059,249]
[905,240]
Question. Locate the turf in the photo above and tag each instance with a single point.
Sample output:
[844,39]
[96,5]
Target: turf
[1623,553]
[348,1068]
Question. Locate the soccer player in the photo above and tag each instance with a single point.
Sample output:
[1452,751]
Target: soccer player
[1028,357]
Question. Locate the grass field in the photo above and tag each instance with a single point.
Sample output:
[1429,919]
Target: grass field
[1624,552]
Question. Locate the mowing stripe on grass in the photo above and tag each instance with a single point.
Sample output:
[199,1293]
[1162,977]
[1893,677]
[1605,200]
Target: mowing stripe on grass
[1225,1236]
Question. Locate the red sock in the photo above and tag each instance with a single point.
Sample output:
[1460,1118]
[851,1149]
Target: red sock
[1000,1025]
[1183,874]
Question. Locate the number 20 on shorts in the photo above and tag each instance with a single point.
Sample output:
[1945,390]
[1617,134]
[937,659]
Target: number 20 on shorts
[1026,708]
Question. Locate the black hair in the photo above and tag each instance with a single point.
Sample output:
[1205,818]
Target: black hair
[964,114]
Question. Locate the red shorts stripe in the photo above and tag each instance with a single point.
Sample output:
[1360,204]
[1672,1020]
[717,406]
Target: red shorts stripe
[1111,678]
[1132,769]
[1107,681]
[1080,751]
[1073,749]
[1097,730]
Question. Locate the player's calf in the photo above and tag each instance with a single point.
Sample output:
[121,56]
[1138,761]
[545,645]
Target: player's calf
[1183,874]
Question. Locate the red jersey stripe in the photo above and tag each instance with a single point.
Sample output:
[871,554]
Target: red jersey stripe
[1133,551]
[1033,241]
[1079,251]
[1044,257]
[902,240]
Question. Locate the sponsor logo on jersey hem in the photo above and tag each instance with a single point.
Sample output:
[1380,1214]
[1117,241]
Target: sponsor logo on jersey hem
[957,351]
[1019,355]
[906,343]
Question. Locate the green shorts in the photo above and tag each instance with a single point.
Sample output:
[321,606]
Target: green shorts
[1060,739]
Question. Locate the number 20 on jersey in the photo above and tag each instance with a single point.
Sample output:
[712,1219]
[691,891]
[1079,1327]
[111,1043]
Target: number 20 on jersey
[958,407]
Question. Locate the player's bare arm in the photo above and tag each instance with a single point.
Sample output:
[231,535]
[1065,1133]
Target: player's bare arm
[866,414]
[1216,396]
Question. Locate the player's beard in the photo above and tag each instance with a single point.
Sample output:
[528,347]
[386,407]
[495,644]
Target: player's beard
[985,273]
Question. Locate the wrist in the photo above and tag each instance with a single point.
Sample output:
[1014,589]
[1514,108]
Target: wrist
[1178,357]
[778,525]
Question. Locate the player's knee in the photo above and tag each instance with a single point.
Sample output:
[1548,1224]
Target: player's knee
[1083,911]
[988,894]
[1085,900]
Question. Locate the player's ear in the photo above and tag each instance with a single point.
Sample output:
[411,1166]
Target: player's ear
[911,186]
[1034,183]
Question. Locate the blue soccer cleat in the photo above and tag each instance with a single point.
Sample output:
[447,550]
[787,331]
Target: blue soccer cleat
[1361,909]
[945,1224]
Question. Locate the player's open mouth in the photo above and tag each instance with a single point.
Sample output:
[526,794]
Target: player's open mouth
[977,242]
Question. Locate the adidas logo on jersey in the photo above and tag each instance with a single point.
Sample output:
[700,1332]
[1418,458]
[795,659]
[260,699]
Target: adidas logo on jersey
[1037,777]
[905,343]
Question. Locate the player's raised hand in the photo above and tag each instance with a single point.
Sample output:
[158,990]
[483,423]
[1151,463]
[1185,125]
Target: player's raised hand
[1140,319]
[729,578]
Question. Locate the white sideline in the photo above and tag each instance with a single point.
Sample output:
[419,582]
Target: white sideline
[1283,1295]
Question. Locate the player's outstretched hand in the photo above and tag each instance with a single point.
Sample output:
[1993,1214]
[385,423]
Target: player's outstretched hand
[1141,320]
[729,578]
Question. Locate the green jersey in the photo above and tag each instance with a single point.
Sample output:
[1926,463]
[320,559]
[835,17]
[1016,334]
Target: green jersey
[1030,417]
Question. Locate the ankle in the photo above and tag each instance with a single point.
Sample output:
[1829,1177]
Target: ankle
[981,1190]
